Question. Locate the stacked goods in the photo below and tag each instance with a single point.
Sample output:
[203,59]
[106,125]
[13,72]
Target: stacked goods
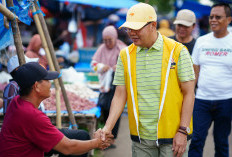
[76,102]
[82,91]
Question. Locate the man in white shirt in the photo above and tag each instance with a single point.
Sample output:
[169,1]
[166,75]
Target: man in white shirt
[212,58]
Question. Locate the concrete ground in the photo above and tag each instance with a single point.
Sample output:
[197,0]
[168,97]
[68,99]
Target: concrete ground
[123,143]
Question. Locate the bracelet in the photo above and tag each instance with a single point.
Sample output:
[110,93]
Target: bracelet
[182,132]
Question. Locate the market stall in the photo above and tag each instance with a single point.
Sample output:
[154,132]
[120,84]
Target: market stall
[78,105]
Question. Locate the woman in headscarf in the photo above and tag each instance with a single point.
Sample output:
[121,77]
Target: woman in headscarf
[104,63]
[35,50]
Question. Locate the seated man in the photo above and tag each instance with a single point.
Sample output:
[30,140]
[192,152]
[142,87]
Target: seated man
[26,131]
[12,89]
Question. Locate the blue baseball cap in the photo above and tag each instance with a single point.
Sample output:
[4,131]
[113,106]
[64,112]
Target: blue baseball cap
[27,74]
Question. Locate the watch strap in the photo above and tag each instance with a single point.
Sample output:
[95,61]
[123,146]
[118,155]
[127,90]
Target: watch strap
[182,132]
[183,129]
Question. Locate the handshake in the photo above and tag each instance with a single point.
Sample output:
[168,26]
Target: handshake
[104,138]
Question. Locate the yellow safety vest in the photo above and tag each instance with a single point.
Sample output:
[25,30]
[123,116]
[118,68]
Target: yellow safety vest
[171,98]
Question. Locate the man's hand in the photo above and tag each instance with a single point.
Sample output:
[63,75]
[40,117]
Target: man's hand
[114,67]
[105,68]
[179,144]
[103,144]
[105,133]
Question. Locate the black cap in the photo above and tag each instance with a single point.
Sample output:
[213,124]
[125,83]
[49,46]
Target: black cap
[29,73]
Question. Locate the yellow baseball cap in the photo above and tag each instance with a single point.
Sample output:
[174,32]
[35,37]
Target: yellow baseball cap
[138,16]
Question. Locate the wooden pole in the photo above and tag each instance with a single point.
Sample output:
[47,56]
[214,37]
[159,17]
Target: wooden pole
[52,52]
[45,46]
[6,22]
[17,38]
[7,13]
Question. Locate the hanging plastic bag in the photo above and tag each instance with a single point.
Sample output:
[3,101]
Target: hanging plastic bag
[72,26]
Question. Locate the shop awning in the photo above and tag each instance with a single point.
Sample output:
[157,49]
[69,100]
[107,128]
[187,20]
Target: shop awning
[199,9]
[105,3]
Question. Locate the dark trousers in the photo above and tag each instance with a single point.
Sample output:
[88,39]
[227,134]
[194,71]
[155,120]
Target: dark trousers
[104,101]
[71,134]
[105,114]
[205,112]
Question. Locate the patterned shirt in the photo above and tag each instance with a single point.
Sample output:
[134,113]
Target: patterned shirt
[148,78]
[10,91]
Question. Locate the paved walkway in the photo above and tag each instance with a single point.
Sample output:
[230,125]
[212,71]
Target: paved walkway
[123,143]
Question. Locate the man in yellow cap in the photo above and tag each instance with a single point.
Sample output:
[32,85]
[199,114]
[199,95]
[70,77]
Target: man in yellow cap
[155,77]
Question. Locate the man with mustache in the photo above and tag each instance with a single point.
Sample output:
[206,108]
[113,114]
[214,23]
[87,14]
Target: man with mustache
[212,56]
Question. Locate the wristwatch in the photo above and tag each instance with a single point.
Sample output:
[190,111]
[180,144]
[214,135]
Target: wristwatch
[185,129]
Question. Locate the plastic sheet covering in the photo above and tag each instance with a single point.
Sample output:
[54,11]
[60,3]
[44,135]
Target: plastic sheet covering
[6,37]
[22,11]
[94,110]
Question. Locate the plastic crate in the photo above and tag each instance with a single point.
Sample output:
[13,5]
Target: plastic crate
[83,67]
[85,58]
[86,54]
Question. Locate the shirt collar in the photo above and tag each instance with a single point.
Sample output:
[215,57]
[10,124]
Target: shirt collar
[157,45]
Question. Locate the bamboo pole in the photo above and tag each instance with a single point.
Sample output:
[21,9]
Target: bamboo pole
[7,13]
[52,52]
[45,46]
[6,22]
[16,34]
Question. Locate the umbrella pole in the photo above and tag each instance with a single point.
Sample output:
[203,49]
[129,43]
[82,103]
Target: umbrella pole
[52,53]
[45,46]
[16,34]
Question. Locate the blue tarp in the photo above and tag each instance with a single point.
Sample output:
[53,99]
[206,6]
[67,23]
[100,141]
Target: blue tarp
[94,110]
[105,3]
[6,37]
[22,10]
[199,9]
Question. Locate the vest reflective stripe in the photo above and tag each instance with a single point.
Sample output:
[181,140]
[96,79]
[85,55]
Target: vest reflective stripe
[132,92]
[165,90]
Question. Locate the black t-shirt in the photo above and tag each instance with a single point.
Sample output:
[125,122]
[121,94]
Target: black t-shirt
[189,45]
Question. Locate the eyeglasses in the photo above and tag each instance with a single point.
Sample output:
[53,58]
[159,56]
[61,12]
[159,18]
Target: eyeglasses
[216,17]
[129,30]
[107,40]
